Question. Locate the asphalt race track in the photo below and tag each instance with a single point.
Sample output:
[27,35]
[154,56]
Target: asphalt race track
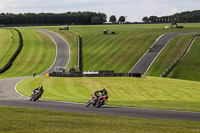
[63,50]
[9,97]
[149,57]
[104,110]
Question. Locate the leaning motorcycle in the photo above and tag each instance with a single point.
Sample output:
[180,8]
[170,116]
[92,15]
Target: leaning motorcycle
[101,100]
[35,95]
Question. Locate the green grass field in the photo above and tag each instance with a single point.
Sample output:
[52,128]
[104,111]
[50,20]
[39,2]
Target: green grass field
[117,52]
[147,92]
[171,52]
[37,55]
[53,121]
[9,43]
[189,67]
[121,51]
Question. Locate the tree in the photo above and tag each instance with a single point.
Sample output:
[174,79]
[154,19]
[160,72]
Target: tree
[122,19]
[152,19]
[96,20]
[113,19]
[103,17]
[145,19]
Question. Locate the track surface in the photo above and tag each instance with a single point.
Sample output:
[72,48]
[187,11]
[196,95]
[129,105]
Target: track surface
[104,110]
[63,50]
[146,61]
[9,97]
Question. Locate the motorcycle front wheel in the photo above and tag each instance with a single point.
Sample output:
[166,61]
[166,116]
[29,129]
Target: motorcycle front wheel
[31,98]
[35,98]
[88,103]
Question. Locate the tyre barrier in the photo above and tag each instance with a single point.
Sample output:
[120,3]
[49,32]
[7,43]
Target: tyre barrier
[57,74]
[169,69]
[12,59]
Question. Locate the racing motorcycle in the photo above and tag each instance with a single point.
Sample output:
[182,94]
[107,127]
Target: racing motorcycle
[35,95]
[101,100]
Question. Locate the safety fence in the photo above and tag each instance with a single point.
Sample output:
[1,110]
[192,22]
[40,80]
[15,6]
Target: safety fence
[12,59]
[169,69]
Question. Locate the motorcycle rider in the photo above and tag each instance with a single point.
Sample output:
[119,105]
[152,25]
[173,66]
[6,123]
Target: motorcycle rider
[39,89]
[103,93]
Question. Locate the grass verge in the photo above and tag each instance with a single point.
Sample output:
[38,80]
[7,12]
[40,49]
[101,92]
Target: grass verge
[147,92]
[33,120]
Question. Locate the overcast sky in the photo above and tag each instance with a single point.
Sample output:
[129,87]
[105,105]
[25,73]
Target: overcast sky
[135,10]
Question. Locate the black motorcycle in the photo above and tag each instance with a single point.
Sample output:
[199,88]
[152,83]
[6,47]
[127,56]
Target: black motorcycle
[35,95]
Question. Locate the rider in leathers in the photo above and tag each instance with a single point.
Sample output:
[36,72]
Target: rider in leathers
[39,89]
[103,93]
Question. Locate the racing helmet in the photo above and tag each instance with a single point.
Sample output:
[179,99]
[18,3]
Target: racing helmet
[103,89]
[41,87]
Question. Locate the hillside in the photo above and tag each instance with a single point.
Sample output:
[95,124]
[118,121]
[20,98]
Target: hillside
[9,43]
[37,55]
[118,52]
[171,52]
[122,50]
[189,67]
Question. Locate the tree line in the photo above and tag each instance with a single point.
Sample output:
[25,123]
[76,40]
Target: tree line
[113,19]
[183,17]
[87,18]
[53,18]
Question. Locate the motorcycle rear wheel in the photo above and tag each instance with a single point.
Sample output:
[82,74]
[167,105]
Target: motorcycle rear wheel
[99,103]
[88,103]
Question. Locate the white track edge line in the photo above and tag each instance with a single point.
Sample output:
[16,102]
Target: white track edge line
[157,56]
[56,52]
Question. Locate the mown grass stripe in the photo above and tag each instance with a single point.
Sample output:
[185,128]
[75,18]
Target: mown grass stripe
[189,67]
[172,51]
[139,37]
[8,45]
